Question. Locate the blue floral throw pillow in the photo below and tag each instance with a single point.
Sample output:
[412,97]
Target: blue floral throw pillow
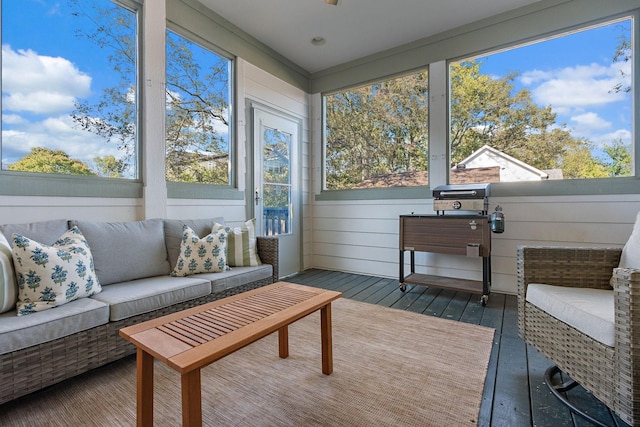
[49,276]
[201,255]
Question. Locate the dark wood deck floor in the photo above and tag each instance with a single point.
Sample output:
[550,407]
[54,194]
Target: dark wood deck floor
[515,394]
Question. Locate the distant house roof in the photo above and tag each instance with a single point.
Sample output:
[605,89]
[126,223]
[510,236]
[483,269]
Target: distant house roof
[511,169]
[475,175]
[401,179]
[484,165]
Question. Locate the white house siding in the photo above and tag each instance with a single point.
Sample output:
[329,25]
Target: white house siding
[362,236]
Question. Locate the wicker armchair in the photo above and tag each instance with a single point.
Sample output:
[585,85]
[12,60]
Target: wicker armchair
[612,374]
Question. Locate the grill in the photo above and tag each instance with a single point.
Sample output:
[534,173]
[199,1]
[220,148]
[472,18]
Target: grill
[462,197]
[465,230]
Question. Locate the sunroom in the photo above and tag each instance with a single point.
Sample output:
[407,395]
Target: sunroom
[326,121]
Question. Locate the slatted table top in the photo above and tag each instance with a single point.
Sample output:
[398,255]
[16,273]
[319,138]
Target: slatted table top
[196,337]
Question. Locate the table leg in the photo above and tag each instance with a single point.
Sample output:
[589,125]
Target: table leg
[191,399]
[283,341]
[144,389]
[327,345]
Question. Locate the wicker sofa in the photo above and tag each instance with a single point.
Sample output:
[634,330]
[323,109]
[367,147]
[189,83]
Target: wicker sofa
[611,371]
[133,261]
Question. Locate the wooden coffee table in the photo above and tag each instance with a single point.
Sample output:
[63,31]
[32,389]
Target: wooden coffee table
[194,338]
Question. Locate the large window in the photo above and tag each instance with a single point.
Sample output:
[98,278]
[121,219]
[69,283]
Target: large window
[376,136]
[69,88]
[559,108]
[198,113]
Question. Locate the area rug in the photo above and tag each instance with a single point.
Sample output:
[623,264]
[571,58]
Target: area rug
[391,368]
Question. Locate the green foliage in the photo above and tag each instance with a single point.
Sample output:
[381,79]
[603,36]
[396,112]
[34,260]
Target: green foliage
[196,111]
[485,112]
[114,116]
[196,120]
[109,166]
[276,173]
[45,160]
[377,130]
[381,129]
[619,163]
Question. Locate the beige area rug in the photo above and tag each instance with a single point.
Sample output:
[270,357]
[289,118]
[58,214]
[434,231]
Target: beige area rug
[391,368]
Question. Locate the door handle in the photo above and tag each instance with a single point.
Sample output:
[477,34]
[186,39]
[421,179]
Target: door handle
[257,196]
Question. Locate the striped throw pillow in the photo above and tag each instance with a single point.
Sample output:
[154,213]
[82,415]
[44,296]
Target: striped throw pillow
[242,249]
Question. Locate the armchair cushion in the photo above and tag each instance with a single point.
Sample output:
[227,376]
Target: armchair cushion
[630,257]
[590,311]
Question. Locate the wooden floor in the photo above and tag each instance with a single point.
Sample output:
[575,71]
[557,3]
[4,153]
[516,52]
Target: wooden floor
[515,394]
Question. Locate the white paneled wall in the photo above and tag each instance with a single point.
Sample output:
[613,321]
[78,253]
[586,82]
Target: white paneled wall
[362,236]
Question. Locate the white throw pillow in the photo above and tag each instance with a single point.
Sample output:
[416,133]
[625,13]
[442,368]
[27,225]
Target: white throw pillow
[201,255]
[8,287]
[242,248]
[49,276]
[630,257]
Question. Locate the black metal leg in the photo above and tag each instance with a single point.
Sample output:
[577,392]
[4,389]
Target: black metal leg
[558,389]
[413,262]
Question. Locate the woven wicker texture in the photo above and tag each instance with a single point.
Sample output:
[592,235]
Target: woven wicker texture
[23,371]
[391,368]
[612,374]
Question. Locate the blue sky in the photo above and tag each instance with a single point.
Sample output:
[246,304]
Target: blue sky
[574,74]
[44,73]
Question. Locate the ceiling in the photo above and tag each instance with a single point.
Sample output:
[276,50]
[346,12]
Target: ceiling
[351,29]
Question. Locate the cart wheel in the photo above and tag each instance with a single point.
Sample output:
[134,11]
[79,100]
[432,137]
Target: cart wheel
[403,287]
[484,300]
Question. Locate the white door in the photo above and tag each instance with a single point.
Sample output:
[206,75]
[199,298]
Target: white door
[276,184]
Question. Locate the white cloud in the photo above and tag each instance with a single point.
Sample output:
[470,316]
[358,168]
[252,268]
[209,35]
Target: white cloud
[40,84]
[56,133]
[620,134]
[591,121]
[13,119]
[577,86]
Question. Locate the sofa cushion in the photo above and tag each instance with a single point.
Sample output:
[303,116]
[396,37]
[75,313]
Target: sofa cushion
[50,276]
[18,332]
[173,233]
[124,251]
[201,255]
[242,250]
[45,232]
[590,311]
[8,286]
[144,295]
[237,276]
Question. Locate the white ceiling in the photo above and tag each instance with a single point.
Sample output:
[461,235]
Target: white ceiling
[353,28]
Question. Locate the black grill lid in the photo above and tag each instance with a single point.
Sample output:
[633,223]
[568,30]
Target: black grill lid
[461,191]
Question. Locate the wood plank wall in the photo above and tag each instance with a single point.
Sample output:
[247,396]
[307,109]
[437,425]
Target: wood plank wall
[362,236]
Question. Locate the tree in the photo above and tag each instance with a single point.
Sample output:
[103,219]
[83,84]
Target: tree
[620,158]
[46,160]
[197,150]
[622,54]
[377,130]
[110,167]
[484,111]
[196,120]
[114,116]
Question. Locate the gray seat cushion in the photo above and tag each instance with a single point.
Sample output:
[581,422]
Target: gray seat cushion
[237,276]
[18,332]
[173,233]
[141,296]
[124,251]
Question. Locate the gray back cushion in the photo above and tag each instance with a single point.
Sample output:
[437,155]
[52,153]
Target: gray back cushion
[46,232]
[173,233]
[124,251]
